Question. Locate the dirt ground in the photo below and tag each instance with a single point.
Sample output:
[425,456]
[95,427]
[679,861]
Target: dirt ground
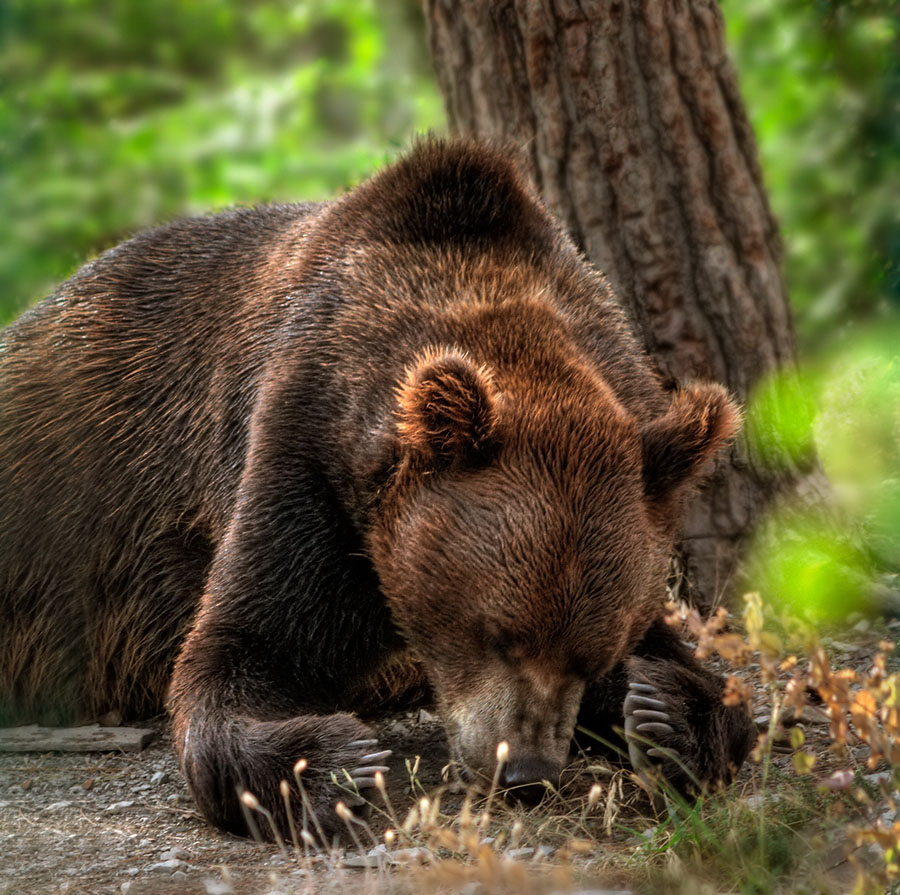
[125,823]
[86,823]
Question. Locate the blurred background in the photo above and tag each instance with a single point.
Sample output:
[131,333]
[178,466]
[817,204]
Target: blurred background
[115,115]
[118,115]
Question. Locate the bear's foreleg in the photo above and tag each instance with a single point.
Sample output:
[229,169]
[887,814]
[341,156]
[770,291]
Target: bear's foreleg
[671,711]
[291,625]
[245,714]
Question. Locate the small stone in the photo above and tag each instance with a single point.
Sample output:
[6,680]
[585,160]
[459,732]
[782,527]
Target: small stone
[58,806]
[839,780]
[361,862]
[218,887]
[846,647]
[862,625]
[425,716]
[172,798]
[376,857]
[757,800]
[520,853]
[159,777]
[411,855]
[145,843]
[169,866]
[878,778]
[131,871]
[545,851]
[175,852]
[179,874]
[118,807]
[808,715]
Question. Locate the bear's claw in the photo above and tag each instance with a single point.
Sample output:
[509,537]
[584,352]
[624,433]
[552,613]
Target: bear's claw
[369,770]
[377,756]
[659,728]
[649,715]
[647,702]
[645,716]
[362,776]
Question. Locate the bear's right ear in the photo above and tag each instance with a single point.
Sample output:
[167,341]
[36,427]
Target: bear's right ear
[700,421]
[447,411]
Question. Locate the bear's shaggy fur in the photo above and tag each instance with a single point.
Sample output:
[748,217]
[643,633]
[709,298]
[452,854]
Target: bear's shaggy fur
[252,459]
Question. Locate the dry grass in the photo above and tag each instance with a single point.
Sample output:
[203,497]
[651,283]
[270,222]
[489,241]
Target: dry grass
[818,820]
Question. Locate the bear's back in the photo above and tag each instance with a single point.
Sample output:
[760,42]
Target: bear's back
[124,402]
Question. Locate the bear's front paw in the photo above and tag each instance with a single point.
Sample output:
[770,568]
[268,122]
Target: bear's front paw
[654,742]
[295,771]
[677,727]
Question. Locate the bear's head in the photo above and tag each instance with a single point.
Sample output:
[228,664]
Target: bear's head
[523,539]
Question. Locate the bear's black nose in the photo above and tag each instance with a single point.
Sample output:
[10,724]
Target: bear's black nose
[523,775]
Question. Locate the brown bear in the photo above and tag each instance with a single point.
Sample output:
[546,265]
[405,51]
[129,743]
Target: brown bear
[282,447]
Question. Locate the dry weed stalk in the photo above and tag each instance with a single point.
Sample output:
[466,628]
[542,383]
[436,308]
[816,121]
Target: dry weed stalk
[860,707]
[480,843]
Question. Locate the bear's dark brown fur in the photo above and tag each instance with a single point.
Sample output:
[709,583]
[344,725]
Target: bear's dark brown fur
[300,441]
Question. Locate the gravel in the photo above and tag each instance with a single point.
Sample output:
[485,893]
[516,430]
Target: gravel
[92,823]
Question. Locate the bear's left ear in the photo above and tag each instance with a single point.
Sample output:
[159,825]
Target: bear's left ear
[447,411]
[700,421]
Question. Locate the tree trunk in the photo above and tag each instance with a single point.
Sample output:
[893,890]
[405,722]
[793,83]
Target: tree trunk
[630,115]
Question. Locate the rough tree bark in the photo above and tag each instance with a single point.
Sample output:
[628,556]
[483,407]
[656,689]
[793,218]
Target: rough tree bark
[630,115]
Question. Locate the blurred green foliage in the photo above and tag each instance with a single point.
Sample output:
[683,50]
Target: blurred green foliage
[121,114]
[821,80]
[819,563]
[115,115]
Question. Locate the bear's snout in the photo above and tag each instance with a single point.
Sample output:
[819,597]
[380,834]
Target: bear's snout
[531,711]
[523,776]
